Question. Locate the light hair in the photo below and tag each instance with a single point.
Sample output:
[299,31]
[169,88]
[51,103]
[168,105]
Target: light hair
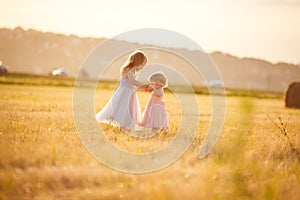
[135,59]
[159,78]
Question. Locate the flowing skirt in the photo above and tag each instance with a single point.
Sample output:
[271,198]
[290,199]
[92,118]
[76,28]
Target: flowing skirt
[155,116]
[123,108]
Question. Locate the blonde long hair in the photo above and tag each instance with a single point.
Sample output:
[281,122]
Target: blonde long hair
[135,59]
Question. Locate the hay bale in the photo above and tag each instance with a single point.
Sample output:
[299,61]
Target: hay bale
[3,69]
[292,95]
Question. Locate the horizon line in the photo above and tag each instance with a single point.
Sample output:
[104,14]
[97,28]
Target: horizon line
[106,38]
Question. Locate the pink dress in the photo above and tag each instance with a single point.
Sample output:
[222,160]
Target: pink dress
[123,109]
[155,114]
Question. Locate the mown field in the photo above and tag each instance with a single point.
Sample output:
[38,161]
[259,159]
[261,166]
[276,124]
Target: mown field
[42,156]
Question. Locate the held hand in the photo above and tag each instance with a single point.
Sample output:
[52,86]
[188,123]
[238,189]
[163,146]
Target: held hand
[149,88]
[143,87]
[146,88]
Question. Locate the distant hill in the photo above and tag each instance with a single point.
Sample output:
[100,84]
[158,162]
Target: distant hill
[251,73]
[38,52]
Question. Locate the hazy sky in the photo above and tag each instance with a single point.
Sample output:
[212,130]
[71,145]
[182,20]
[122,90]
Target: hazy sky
[267,29]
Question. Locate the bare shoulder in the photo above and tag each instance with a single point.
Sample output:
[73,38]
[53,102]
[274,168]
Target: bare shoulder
[128,74]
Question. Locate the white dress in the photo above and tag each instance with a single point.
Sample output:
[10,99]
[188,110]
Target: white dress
[123,108]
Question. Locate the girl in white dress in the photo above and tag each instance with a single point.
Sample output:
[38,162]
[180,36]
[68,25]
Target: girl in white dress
[123,108]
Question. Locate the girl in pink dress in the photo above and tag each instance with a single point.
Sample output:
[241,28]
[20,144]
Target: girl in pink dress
[155,115]
[123,108]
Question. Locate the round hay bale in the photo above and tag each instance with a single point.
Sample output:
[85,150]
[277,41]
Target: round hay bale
[3,69]
[292,95]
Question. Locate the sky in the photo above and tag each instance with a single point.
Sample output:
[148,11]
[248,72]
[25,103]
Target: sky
[264,29]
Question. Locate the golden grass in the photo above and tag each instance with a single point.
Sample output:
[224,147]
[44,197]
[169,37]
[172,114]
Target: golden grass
[42,156]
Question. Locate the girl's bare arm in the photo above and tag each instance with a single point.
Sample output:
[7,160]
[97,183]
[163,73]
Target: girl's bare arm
[133,81]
